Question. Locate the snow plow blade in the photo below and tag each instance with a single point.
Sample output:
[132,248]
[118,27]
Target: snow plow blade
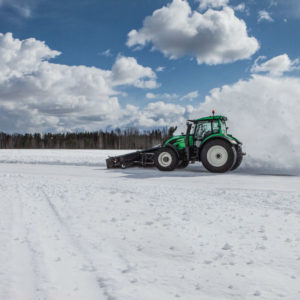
[143,158]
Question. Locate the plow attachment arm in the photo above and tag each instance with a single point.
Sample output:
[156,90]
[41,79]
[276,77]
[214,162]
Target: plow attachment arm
[143,158]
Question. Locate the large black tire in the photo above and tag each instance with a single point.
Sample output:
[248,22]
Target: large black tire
[239,158]
[165,159]
[182,164]
[218,156]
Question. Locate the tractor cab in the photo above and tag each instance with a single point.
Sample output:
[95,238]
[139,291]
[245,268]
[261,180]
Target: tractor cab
[206,127]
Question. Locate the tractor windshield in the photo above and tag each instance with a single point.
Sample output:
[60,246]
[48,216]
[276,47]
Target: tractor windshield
[206,128]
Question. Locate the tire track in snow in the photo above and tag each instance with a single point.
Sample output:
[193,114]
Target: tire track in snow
[32,275]
[89,265]
[6,233]
[27,276]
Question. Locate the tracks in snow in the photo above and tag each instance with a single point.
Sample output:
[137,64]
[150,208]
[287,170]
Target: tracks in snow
[45,257]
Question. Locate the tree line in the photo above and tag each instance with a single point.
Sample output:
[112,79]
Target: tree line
[116,139]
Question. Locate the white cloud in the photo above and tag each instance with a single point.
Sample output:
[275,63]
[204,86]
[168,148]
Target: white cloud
[160,69]
[151,96]
[214,37]
[106,53]
[263,15]
[240,7]
[157,114]
[275,66]
[127,71]
[204,4]
[190,96]
[37,95]
[165,96]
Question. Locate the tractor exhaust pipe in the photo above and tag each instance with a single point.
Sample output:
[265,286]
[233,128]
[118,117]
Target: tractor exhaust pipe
[187,140]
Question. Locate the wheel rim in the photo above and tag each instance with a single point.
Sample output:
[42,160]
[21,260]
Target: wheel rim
[217,156]
[165,159]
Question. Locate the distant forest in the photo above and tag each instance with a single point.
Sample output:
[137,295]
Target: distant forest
[115,139]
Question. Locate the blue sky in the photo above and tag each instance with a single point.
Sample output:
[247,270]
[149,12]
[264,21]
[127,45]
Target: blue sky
[94,33]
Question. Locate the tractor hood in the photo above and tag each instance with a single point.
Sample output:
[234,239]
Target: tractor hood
[177,141]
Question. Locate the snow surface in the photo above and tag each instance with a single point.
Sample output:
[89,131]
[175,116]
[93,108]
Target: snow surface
[71,229]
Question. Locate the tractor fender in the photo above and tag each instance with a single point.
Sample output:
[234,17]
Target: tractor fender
[224,138]
[174,149]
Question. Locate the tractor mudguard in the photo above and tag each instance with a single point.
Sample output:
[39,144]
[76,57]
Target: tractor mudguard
[221,137]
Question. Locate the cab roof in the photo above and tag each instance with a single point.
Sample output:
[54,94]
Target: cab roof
[222,118]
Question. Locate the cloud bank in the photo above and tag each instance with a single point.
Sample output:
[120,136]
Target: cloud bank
[37,95]
[213,37]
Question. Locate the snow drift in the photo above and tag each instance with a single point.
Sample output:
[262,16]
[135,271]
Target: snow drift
[264,114]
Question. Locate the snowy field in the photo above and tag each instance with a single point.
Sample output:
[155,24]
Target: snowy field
[70,229]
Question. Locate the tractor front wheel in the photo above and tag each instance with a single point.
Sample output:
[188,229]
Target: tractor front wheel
[218,156]
[165,159]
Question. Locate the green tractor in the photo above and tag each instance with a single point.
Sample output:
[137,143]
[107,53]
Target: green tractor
[206,140]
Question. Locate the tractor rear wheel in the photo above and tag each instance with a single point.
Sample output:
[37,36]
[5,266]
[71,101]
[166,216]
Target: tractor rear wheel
[218,156]
[165,159]
[239,159]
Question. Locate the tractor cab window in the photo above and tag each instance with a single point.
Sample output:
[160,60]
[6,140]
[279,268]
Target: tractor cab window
[215,126]
[223,127]
[206,128]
